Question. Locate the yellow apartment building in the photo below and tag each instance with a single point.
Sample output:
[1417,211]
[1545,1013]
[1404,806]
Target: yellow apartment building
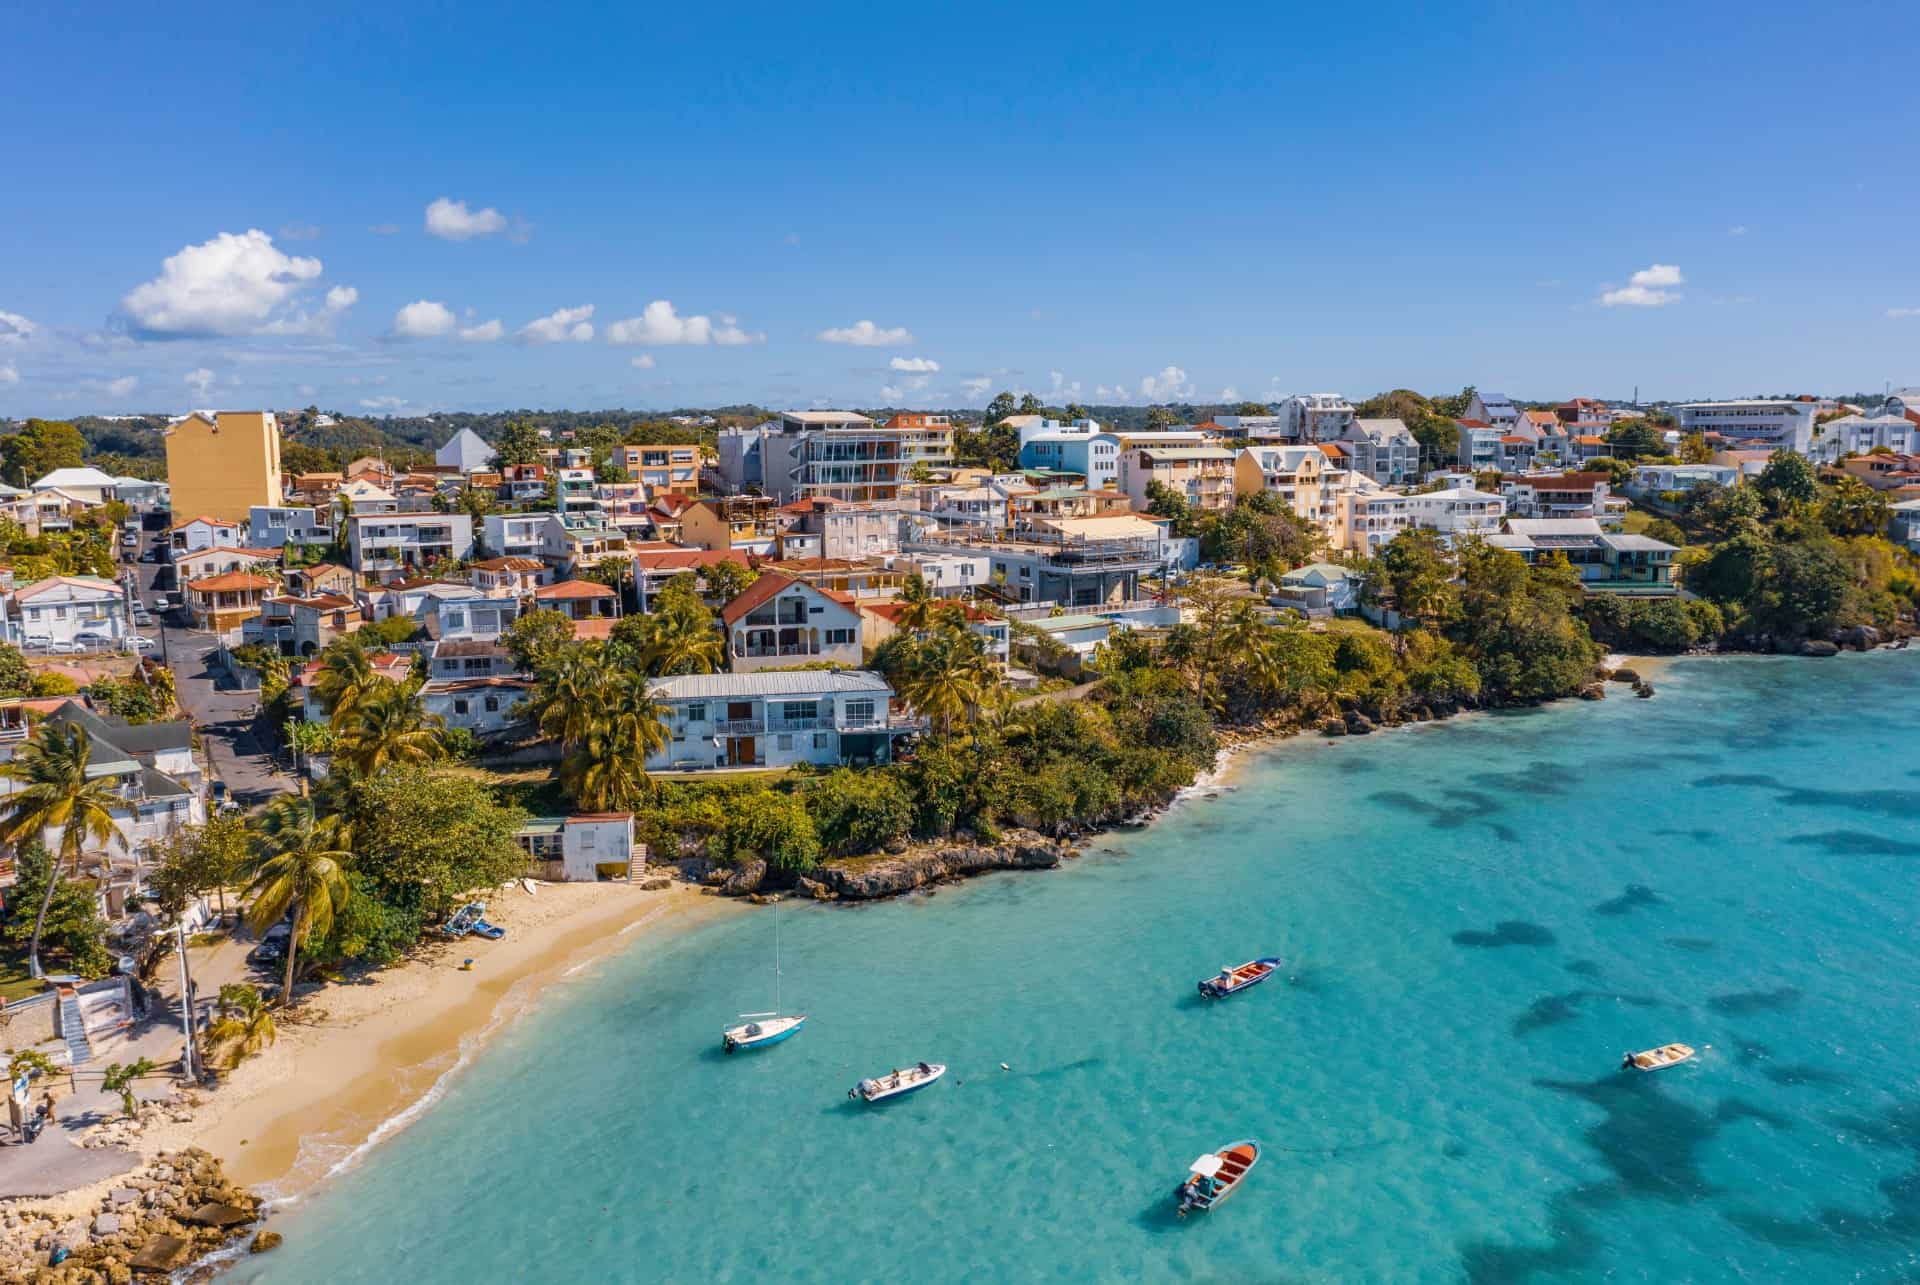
[222,467]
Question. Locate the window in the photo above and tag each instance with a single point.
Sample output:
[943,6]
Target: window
[797,711]
[785,742]
[860,712]
[460,707]
[839,637]
[493,704]
[820,740]
[696,713]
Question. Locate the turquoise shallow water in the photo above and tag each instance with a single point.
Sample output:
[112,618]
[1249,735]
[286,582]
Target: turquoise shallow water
[1478,917]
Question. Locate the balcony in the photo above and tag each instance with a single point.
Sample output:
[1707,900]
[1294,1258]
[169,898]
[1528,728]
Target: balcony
[762,651]
[740,727]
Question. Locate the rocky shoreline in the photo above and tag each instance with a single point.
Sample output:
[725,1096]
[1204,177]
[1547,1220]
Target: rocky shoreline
[172,1212]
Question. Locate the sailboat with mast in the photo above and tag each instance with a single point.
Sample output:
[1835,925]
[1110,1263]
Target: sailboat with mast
[758,1030]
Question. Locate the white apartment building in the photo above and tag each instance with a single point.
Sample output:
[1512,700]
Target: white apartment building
[1384,450]
[67,610]
[1369,518]
[1459,511]
[386,543]
[1780,425]
[1895,427]
[275,526]
[515,535]
[778,719]
[1315,417]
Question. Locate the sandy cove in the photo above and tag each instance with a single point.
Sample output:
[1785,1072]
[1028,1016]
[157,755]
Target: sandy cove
[356,1061]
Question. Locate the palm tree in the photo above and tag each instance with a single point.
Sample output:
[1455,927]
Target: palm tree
[608,770]
[296,868]
[345,676]
[387,725]
[916,604]
[244,1026]
[682,642]
[949,675]
[57,795]
[570,699]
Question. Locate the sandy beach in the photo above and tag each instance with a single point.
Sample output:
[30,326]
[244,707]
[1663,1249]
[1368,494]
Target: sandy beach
[357,1061]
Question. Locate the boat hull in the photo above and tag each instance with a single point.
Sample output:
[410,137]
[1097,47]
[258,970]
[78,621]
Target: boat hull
[738,1041]
[1245,977]
[878,1090]
[1245,1153]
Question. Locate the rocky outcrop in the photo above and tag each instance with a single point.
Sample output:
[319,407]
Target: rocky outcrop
[817,890]
[865,878]
[1593,692]
[1333,727]
[744,878]
[1623,675]
[1358,724]
[157,1218]
[1819,647]
[1860,637]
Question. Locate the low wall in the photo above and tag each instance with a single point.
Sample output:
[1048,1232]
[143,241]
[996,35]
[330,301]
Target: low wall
[26,1022]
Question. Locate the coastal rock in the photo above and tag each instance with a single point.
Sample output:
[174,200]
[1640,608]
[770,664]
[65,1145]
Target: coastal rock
[1819,647]
[1593,692]
[1333,727]
[865,878]
[745,878]
[660,884]
[1628,676]
[106,1224]
[265,1241]
[1861,637]
[817,890]
[1358,724]
[1643,690]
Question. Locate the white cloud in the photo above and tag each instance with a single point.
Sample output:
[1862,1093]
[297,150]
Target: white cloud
[238,283]
[423,319]
[1063,388]
[891,393]
[568,325]
[915,365]
[8,375]
[122,386]
[1170,385]
[484,333]
[1898,313]
[1647,288]
[1738,229]
[976,388]
[383,403]
[452,221]
[658,325]
[643,362]
[299,232]
[200,381]
[15,329]
[864,334]
[1229,394]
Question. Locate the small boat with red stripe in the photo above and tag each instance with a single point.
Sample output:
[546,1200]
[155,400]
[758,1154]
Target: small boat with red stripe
[1231,980]
[1215,1176]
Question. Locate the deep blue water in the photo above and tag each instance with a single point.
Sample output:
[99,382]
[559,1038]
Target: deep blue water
[1478,917]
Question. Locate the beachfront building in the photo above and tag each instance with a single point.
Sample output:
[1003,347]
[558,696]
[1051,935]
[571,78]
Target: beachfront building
[661,469]
[779,621]
[1457,511]
[582,848]
[838,454]
[1770,424]
[1564,495]
[386,544]
[1606,561]
[1384,450]
[924,438]
[1294,473]
[1494,409]
[1319,589]
[777,719]
[67,612]
[1202,475]
[1315,417]
[1074,562]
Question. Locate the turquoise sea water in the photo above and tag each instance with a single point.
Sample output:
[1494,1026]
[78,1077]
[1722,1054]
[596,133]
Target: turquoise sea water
[1478,917]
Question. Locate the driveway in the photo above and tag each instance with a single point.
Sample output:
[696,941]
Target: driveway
[237,742]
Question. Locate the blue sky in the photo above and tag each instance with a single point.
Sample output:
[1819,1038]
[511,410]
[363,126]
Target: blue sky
[240,206]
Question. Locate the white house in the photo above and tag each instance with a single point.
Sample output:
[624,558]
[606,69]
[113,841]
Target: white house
[776,719]
[581,849]
[483,706]
[207,533]
[1652,479]
[1776,424]
[1894,428]
[1384,449]
[1496,409]
[382,543]
[466,450]
[275,526]
[88,485]
[780,621]
[1319,589]
[515,535]
[1458,511]
[68,611]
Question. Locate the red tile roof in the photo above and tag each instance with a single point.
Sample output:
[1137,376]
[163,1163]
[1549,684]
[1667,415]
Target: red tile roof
[688,559]
[598,629]
[1473,423]
[178,526]
[229,580]
[571,589]
[762,590]
[890,611]
[509,564]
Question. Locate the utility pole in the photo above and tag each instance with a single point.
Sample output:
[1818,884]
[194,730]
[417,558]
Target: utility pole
[186,1002]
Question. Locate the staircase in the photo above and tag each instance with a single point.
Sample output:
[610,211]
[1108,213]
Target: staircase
[72,1029]
[637,863]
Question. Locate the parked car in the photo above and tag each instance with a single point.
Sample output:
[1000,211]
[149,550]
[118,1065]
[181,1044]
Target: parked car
[62,647]
[35,642]
[273,947]
[136,642]
[93,638]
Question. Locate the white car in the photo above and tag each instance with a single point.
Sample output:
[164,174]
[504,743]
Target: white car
[65,648]
[93,638]
[138,642]
[36,642]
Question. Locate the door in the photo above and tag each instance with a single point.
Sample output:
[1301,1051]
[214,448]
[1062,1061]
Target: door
[740,752]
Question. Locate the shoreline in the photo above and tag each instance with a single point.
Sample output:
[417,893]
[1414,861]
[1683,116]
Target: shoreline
[365,1060]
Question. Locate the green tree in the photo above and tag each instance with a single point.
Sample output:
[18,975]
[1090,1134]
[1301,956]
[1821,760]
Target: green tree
[195,860]
[67,924]
[1694,449]
[1031,405]
[774,827]
[120,1079]
[426,838]
[1788,480]
[519,443]
[1165,502]
[858,812]
[680,636]
[728,580]
[1630,439]
[41,446]
[1161,417]
[57,794]
[948,677]
[1415,571]
[537,638]
[1002,405]
[1850,507]
[387,725]
[296,868]
[16,676]
[346,673]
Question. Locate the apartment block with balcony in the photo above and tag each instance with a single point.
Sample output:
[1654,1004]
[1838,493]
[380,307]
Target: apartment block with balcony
[661,468]
[515,535]
[1075,562]
[1457,511]
[1606,561]
[1315,417]
[276,526]
[1369,517]
[744,522]
[223,604]
[773,720]
[835,454]
[1203,475]
[1564,495]
[924,438]
[1294,473]
[1384,450]
[839,529]
[778,621]
[384,545]
[1785,425]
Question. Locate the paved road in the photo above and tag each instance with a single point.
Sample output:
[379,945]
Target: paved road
[238,746]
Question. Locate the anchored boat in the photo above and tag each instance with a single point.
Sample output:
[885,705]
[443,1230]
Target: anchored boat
[760,1030]
[882,1087]
[1216,1175]
[1657,1059]
[1231,980]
